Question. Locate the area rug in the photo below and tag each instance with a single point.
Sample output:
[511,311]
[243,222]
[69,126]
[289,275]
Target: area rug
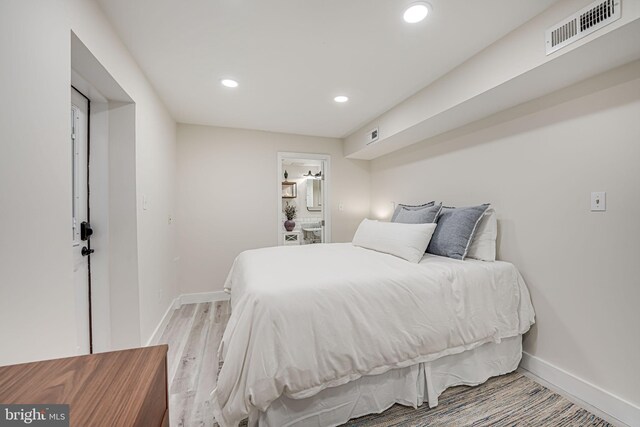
[508,400]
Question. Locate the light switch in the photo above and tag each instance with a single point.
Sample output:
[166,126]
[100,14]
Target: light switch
[598,201]
[340,207]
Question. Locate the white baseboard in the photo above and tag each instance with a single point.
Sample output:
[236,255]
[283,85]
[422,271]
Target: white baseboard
[601,399]
[163,323]
[203,297]
[182,300]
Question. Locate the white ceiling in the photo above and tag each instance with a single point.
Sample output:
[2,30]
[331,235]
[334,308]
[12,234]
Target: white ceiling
[291,57]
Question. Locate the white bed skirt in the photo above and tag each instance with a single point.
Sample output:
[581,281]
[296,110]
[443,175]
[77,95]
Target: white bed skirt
[410,386]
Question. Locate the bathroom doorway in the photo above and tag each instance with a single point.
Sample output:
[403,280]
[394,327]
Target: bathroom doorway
[304,214]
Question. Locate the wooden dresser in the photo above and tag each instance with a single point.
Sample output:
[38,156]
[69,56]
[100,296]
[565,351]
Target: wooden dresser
[120,388]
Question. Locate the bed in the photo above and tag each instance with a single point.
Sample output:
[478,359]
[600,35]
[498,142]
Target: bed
[323,333]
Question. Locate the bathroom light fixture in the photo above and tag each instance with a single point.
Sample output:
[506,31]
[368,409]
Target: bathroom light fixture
[229,83]
[416,12]
[341,98]
[314,176]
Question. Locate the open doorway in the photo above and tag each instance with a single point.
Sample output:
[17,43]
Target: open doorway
[304,216]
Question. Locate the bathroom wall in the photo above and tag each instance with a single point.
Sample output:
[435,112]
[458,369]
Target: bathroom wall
[295,175]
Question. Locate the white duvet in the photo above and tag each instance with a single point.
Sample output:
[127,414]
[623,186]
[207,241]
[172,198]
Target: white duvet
[309,317]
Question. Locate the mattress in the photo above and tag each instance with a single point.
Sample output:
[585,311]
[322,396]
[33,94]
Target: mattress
[308,318]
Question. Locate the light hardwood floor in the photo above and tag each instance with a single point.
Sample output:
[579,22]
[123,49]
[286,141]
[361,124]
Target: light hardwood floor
[193,334]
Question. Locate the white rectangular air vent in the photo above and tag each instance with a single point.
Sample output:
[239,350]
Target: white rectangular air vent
[372,136]
[582,23]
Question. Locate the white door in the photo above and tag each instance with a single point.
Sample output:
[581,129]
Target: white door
[80,217]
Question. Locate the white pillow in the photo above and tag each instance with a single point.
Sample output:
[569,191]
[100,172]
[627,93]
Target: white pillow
[483,245]
[407,241]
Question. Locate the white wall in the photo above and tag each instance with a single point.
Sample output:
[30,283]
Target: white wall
[537,164]
[124,290]
[227,196]
[36,293]
[36,288]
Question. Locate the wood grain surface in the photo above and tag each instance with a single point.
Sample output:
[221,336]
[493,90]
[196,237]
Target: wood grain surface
[121,388]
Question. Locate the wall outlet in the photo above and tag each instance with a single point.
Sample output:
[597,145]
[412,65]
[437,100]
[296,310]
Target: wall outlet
[598,201]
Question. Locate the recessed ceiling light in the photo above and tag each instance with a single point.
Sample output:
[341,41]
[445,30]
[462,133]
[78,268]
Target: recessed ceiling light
[229,83]
[416,12]
[341,98]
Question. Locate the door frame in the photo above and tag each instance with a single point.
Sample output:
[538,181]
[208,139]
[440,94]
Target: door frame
[115,290]
[326,190]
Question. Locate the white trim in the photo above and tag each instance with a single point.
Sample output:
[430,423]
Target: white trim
[157,333]
[601,399]
[179,301]
[202,297]
[326,189]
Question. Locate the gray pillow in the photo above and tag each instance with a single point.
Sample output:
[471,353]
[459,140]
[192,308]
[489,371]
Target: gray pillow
[426,215]
[455,230]
[410,207]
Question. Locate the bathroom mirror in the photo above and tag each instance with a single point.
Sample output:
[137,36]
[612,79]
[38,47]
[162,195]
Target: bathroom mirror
[289,190]
[314,195]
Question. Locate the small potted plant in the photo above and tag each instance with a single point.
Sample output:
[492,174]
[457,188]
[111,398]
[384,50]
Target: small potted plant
[290,212]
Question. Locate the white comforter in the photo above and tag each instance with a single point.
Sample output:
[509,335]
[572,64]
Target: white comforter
[309,317]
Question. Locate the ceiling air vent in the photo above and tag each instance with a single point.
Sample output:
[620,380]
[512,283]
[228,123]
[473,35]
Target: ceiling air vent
[582,23]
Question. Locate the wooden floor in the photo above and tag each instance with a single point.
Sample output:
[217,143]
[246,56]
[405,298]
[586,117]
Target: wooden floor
[193,334]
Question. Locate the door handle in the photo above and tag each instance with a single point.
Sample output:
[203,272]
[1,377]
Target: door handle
[85,230]
[86,251]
